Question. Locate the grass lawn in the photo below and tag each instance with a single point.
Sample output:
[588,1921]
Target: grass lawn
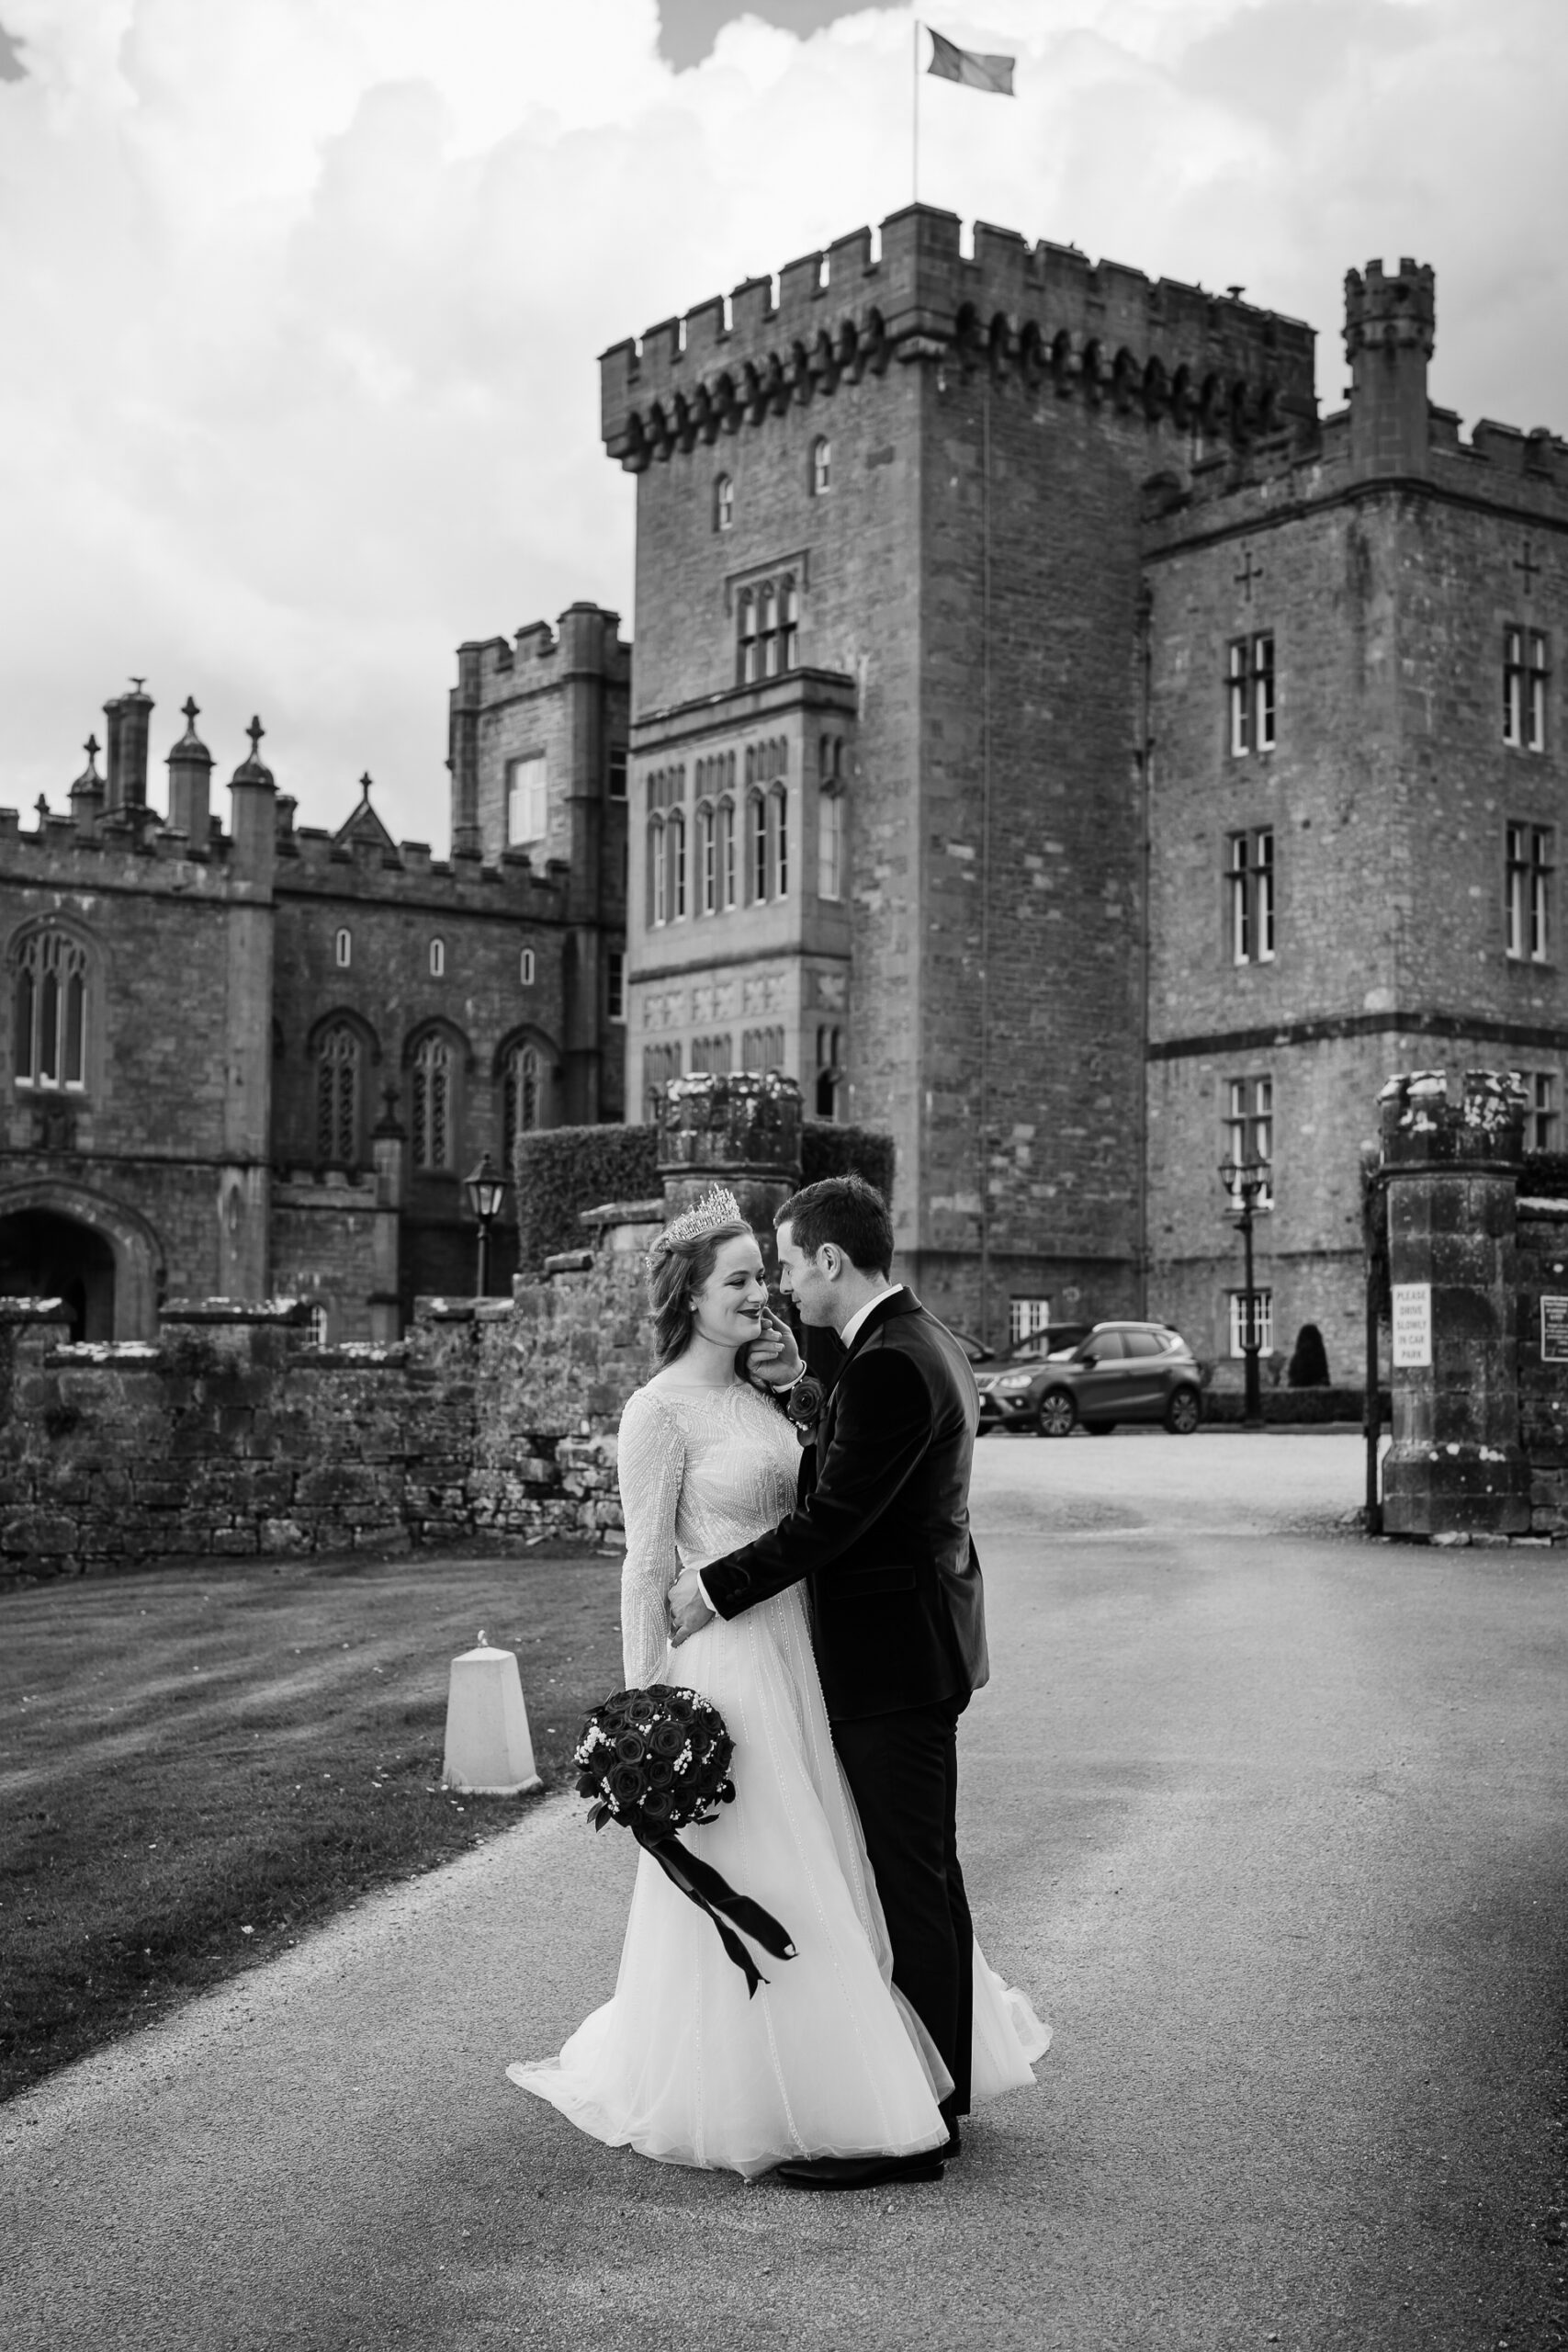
[198,1763]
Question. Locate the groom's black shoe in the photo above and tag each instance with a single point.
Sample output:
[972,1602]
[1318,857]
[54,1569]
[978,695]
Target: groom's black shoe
[954,2145]
[858,2172]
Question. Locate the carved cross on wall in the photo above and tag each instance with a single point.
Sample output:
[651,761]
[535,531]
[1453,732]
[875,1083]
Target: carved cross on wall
[1528,566]
[1248,575]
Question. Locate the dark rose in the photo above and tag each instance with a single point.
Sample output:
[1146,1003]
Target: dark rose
[667,1739]
[661,1774]
[626,1784]
[656,1807]
[630,1749]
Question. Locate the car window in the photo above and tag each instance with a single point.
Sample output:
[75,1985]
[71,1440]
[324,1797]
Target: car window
[1105,1347]
[1145,1343]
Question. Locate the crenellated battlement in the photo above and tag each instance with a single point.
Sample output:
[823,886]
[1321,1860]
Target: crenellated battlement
[1036,313]
[314,862]
[586,638]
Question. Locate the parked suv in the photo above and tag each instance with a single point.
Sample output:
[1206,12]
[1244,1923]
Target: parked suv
[1120,1371]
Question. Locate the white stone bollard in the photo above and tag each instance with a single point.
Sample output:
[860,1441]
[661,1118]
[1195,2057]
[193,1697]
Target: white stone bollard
[489,1751]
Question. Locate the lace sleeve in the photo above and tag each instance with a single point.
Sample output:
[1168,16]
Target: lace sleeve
[652,1458]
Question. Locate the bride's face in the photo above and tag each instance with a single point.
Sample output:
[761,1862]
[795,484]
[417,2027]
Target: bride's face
[728,1306]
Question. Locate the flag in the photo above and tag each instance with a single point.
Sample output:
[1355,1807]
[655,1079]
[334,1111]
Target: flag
[950,63]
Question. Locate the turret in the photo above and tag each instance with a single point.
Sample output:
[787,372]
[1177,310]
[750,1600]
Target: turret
[87,792]
[128,717]
[1390,329]
[253,820]
[190,782]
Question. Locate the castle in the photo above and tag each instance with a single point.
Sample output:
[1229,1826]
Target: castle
[1060,745]
[1050,738]
[260,1061]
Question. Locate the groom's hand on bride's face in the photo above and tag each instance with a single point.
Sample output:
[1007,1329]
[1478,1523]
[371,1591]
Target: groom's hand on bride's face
[689,1613]
[774,1358]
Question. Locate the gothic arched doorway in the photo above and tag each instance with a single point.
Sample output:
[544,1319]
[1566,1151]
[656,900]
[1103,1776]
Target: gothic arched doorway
[45,1255]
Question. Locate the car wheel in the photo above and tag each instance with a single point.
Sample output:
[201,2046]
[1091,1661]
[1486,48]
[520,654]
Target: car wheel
[1056,1414]
[1183,1413]
[1100,1429]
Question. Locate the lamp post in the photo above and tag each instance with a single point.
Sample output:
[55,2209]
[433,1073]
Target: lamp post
[486,1192]
[1244,1180]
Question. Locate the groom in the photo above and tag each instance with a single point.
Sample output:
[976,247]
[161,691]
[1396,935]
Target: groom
[881,1530]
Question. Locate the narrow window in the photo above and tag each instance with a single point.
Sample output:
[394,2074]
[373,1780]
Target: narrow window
[789,626]
[1263,692]
[746,659]
[525,967]
[26,996]
[50,1000]
[319,1326]
[527,807]
[1513,685]
[437,959]
[343,950]
[657,874]
[1535,694]
[433,1104]
[821,464]
[830,1071]
[75,1026]
[1249,1130]
[49,1028]
[723,503]
[520,1093]
[726,830]
[757,830]
[675,850]
[767,630]
[1239,698]
[830,845]
[616,984]
[778,840]
[617,780]
[337,1097]
[1528,893]
[1263,1314]
[1026,1316]
[707,861]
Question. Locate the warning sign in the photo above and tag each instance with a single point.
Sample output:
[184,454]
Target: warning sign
[1554,1330]
[1412,1326]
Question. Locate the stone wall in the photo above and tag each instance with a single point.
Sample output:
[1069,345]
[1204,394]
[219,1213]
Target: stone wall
[232,1436]
[1541,1243]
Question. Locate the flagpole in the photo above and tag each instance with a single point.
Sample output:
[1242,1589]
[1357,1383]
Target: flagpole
[915,173]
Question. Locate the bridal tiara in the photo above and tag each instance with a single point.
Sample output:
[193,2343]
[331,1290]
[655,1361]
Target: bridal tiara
[715,1208]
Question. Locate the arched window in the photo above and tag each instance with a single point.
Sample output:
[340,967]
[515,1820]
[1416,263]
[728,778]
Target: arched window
[437,959]
[432,1103]
[51,1008]
[320,1326]
[821,464]
[707,860]
[724,829]
[657,874]
[747,650]
[342,949]
[756,848]
[339,1093]
[723,503]
[675,857]
[522,1093]
[778,841]
[767,630]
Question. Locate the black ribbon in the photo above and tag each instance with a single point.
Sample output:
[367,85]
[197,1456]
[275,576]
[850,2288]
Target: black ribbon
[711,1894]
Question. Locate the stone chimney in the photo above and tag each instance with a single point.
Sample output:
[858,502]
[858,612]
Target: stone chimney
[190,783]
[254,821]
[1390,329]
[128,716]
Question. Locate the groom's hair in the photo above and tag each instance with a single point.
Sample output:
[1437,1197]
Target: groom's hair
[847,1212]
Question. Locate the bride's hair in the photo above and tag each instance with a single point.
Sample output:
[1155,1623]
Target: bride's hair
[677,1269]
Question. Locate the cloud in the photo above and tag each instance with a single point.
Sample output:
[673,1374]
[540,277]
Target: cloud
[304,303]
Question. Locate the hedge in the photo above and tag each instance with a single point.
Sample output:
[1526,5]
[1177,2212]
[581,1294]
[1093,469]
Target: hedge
[1281,1407]
[560,1171]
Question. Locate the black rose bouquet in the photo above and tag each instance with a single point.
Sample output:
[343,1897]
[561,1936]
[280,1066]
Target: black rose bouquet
[658,1761]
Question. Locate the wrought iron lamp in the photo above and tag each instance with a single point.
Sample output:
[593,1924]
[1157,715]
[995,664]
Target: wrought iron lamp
[487,1194]
[1246,1181]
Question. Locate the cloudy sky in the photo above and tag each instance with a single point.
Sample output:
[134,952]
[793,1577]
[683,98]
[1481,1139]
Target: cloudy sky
[302,298]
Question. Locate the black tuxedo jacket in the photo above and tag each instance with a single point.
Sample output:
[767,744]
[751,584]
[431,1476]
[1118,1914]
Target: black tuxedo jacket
[881,1528]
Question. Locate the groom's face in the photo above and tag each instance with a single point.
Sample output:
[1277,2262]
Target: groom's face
[804,1280]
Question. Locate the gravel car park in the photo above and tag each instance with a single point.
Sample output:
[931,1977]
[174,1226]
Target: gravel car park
[1118,1371]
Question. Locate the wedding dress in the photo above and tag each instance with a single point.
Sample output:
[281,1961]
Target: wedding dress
[828,2059]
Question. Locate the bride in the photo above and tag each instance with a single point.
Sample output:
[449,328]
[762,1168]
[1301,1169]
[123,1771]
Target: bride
[828,2059]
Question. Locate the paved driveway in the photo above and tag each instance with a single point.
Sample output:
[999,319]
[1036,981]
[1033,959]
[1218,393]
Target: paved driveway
[1269,1819]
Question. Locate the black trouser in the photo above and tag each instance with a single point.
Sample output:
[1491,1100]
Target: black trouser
[903,1769]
